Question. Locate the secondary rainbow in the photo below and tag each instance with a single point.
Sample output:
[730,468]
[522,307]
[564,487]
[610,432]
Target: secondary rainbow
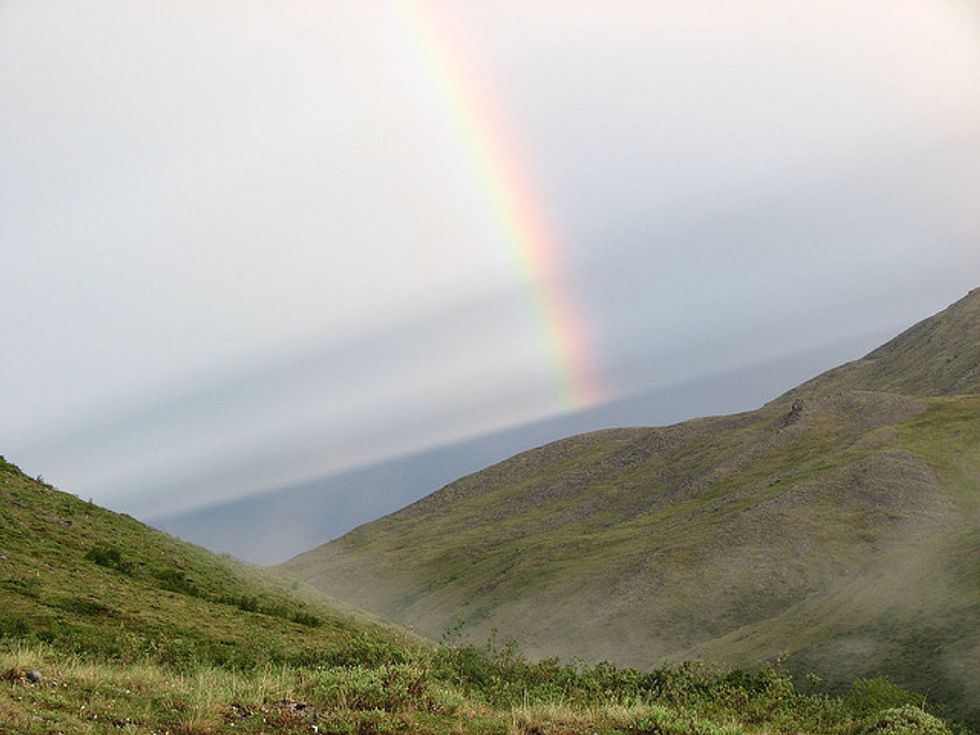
[505,180]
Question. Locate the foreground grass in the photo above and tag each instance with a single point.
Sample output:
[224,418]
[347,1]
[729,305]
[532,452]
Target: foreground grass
[450,690]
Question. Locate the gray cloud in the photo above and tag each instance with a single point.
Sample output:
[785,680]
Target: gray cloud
[244,245]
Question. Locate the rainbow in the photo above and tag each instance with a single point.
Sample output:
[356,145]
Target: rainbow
[529,239]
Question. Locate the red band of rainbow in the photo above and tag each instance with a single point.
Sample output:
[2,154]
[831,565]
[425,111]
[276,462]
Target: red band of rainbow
[525,232]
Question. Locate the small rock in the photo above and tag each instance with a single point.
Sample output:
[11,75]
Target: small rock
[796,410]
[34,676]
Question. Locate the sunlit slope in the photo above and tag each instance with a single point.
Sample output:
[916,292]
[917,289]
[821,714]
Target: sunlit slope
[837,524]
[87,580]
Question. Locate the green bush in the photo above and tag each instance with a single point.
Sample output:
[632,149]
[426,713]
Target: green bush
[662,721]
[905,720]
[13,625]
[870,696]
[109,557]
[389,688]
[251,603]
[27,586]
[365,649]
[177,581]
[371,722]
[307,619]
[83,606]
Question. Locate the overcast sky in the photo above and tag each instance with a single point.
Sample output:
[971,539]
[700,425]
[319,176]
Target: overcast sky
[245,243]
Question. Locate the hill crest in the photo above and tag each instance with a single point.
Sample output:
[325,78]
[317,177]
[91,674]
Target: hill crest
[650,545]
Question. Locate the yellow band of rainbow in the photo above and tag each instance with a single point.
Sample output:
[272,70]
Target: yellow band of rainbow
[504,178]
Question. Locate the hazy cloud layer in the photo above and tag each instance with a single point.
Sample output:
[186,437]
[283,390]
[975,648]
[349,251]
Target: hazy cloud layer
[243,243]
[271,527]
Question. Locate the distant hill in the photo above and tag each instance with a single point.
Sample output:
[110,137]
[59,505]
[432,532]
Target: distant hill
[837,527]
[273,526]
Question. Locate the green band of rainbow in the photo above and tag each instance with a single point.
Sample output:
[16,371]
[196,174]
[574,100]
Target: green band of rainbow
[506,183]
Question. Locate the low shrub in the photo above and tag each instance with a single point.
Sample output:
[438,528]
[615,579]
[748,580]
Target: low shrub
[389,688]
[175,580]
[307,619]
[905,720]
[870,696]
[662,721]
[365,649]
[371,722]
[13,625]
[83,606]
[109,557]
[27,586]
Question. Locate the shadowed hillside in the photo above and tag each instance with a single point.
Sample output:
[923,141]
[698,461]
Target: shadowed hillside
[838,526]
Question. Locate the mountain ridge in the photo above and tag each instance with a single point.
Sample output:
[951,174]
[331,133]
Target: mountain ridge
[272,527]
[648,545]
[939,355]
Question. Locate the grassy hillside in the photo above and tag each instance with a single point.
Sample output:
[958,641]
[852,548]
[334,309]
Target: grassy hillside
[83,579]
[107,626]
[837,526]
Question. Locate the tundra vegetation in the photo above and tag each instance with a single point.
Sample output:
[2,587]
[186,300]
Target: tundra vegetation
[108,626]
[836,527]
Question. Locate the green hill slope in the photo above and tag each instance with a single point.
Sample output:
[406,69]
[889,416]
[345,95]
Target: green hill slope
[86,580]
[107,626]
[837,526]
